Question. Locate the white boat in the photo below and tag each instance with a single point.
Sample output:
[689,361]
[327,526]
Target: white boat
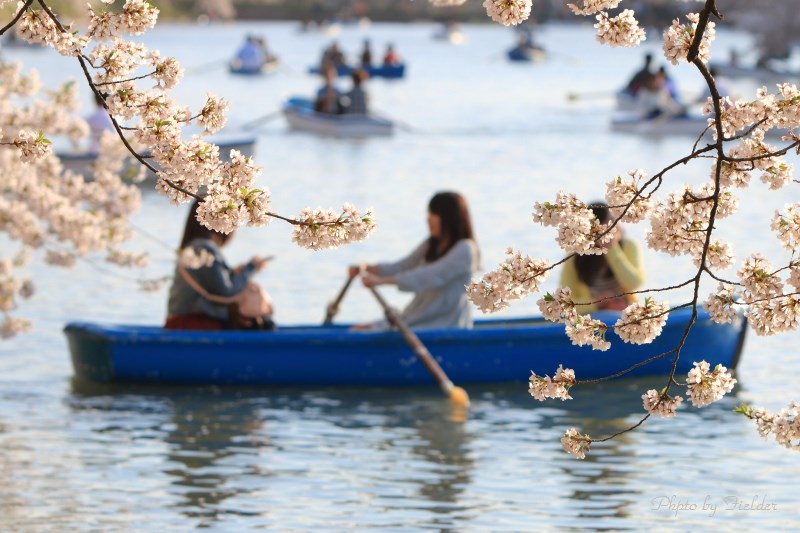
[451,33]
[82,162]
[759,74]
[300,115]
[692,125]
[661,125]
[626,101]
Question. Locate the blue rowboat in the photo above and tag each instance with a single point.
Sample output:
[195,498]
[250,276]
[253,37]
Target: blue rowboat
[376,71]
[301,116]
[528,54]
[493,351]
[267,67]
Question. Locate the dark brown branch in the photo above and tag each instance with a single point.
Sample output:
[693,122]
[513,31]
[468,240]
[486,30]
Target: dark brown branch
[16,17]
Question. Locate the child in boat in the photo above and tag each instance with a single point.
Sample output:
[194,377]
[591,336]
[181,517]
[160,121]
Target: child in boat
[390,58]
[355,102]
[187,309]
[366,56]
[437,271]
[655,100]
[328,96]
[605,281]
[640,77]
[251,55]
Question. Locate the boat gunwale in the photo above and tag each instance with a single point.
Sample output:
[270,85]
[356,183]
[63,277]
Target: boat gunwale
[488,329]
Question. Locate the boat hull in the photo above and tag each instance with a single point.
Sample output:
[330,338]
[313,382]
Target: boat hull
[301,116]
[268,67]
[391,72]
[82,162]
[661,125]
[526,55]
[494,351]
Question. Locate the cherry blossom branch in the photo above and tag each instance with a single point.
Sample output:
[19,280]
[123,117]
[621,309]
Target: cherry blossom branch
[16,18]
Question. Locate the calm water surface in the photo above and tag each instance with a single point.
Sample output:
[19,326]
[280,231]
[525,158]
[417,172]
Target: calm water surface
[81,458]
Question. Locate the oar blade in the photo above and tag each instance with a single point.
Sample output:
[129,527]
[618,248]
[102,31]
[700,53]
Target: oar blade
[459,396]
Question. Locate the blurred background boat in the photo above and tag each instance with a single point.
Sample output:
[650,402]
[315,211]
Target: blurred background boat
[301,116]
[83,162]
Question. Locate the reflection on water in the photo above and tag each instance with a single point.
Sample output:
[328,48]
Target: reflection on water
[243,456]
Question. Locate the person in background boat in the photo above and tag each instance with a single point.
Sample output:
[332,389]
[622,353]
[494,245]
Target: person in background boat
[641,76]
[436,271]
[602,282]
[670,85]
[268,56]
[655,101]
[186,309]
[328,96]
[333,56]
[250,56]
[366,56]
[355,102]
[99,123]
[390,58]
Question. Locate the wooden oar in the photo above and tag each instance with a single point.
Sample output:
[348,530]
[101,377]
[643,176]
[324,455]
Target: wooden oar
[260,120]
[333,307]
[457,395]
[588,95]
[206,67]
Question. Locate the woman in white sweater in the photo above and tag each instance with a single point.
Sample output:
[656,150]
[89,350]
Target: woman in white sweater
[437,271]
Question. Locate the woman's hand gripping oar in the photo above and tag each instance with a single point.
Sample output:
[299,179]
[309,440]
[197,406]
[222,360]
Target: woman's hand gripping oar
[457,395]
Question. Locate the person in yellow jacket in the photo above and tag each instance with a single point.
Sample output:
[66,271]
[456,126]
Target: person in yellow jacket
[605,281]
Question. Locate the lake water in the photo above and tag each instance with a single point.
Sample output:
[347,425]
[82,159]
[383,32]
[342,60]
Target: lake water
[81,458]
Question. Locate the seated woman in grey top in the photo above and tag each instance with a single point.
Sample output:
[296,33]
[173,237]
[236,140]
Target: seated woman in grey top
[186,308]
[437,271]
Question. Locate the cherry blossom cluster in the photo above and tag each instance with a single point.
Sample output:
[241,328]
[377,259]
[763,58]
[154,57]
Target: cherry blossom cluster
[543,387]
[320,228]
[127,259]
[678,224]
[579,231]
[626,199]
[774,315]
[721,303]
[508,12]
[660,403]
[678,38]
[784,425]
[558,307]
[641,323]
[513,279]
[193,259]
[767,111]
[622,30]
[11,290]
[787,226]
[583,330]
[576,444]
[590,7]
[41,204]
[705,386]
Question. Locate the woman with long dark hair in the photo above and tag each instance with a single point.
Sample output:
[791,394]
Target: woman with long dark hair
[187,307]
[437,271]
[605,281]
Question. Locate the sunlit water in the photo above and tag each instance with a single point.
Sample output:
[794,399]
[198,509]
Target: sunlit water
[79,458]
